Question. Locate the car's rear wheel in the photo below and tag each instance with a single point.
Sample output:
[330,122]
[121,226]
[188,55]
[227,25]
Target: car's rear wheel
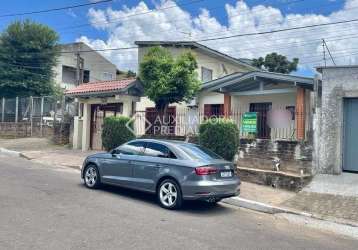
[169,194]
[91,177]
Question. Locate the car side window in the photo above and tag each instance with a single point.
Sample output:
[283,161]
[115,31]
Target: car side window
[132,148]
[158,150]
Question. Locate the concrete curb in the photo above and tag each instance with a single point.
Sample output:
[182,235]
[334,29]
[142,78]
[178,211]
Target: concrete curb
[261,207]
[266,208]
[10,152]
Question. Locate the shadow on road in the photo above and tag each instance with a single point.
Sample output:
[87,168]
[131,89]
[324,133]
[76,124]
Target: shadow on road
[193,207]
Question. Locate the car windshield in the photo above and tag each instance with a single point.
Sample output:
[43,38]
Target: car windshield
[198,152]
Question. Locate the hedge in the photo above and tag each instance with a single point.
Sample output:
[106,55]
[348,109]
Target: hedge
[220,136]
[115,132]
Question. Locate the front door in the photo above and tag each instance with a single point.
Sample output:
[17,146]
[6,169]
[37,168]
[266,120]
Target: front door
[350,136]
[97,116]
[262,109]
[98,113]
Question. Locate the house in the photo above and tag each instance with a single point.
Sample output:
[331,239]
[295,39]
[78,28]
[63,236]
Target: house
[98,100]
[212,64]
[78,64]
[233,86]
[336,120]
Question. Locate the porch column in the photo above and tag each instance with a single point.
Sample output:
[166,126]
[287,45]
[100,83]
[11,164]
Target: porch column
[227,105]
[86,129]
[300,114]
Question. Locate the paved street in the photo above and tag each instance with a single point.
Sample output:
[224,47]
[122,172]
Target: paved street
[43,207]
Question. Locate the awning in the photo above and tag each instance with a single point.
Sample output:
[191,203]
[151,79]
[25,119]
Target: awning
[238,82]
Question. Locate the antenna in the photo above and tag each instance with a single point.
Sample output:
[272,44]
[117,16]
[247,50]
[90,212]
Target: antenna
[329,52]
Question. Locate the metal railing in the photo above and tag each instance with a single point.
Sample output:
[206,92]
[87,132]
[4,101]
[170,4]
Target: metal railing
[186,121]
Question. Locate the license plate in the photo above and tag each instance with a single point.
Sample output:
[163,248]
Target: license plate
[226,174]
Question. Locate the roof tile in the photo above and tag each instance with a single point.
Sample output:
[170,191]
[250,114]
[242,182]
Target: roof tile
[100,86]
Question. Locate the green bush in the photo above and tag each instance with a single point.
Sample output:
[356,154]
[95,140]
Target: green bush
[115,132]
[220,136]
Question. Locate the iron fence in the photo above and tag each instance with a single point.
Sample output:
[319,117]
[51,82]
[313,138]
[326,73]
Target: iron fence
[277,123]
[33,113]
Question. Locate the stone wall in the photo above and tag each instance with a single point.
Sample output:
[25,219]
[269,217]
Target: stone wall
[23,129]
[61,135]
[292,156]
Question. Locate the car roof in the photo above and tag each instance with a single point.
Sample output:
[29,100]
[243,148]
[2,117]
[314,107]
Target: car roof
[163,141]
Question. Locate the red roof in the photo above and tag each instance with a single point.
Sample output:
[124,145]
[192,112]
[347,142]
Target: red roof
[99,87]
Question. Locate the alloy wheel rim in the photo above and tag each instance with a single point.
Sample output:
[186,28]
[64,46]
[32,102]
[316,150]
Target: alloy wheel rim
[91,176]
[168,194]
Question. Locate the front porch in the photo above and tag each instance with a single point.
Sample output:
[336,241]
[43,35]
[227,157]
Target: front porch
[282,103]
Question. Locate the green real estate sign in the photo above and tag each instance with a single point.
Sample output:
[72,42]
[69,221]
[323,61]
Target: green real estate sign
[249,122]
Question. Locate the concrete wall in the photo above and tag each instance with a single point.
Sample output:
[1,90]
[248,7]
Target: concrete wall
[337,83]
[93,61]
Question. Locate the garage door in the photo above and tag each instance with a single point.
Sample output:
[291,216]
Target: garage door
[350,140]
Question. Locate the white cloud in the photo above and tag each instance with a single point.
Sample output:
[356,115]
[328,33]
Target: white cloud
[127,25]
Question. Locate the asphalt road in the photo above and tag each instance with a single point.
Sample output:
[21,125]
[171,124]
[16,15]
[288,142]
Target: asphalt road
[44,207]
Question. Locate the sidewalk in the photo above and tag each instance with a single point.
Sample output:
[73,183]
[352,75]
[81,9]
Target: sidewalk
[327,197]
[330,196]
[43,151]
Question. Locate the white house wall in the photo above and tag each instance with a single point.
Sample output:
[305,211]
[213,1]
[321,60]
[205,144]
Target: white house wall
[211,62]
[93,61]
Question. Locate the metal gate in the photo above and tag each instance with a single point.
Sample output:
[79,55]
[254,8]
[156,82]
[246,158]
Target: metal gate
[98,113]
[350,139]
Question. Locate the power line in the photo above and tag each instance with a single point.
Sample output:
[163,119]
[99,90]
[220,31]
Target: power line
[55,9]
[278,30]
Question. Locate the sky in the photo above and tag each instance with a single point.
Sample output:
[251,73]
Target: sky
[119,23]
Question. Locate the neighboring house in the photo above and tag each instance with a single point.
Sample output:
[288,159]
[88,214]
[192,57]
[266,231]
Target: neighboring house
[98,100]
[79,64]
[336,120]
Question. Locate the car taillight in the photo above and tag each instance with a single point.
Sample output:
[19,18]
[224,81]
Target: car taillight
[205,170]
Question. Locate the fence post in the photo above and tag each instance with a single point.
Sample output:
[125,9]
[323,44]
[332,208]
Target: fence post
[17,109]
[42,113]
[3,110]
[31,114]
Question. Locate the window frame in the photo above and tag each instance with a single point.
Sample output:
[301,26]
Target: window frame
[203,69]
[169,154]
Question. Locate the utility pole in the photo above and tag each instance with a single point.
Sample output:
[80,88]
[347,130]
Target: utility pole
[324,52]
[79,68]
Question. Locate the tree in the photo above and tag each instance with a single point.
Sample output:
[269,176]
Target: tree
[168,80]
[130,73]
[28,54]
[276,63]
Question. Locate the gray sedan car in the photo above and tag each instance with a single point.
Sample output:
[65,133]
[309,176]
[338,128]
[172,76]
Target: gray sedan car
[173,170]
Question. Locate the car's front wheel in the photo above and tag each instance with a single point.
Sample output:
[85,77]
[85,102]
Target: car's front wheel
[169,194]
[91,177]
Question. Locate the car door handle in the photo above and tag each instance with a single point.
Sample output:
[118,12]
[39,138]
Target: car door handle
[157,166]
